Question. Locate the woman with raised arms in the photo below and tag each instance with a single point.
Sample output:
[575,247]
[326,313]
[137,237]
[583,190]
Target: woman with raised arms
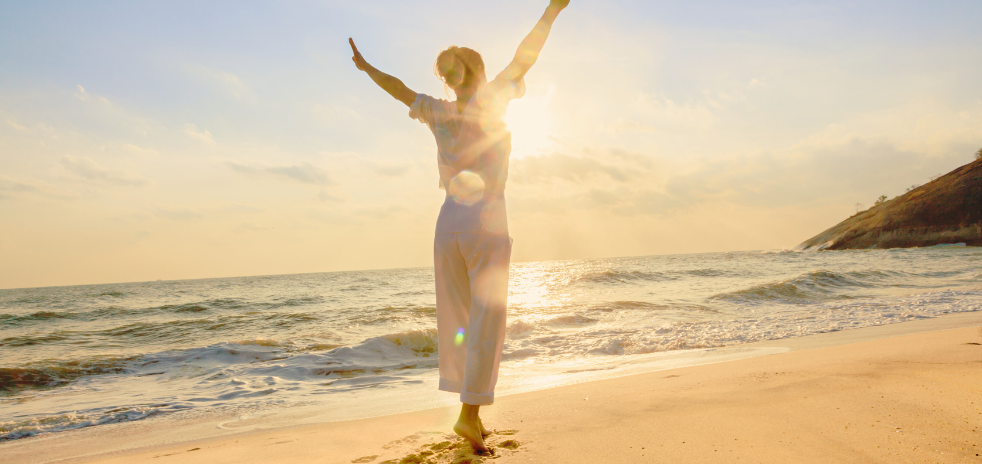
[472,248]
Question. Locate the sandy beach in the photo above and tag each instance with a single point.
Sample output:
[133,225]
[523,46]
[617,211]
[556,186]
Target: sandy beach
[909,392]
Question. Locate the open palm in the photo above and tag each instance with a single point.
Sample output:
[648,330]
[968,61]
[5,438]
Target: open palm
[356,57]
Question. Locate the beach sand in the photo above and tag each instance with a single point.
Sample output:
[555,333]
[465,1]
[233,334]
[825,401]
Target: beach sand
[904,393]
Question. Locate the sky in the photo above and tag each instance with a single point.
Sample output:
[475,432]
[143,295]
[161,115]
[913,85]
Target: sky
[174,140]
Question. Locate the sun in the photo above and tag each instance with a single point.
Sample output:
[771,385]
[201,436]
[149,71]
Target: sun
[530,122]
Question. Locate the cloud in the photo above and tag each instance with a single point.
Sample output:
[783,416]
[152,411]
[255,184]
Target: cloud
[628,184]
[304,173]
[381,212]
[808,174]
[228,82]
[665,112]
[623,126]
[202,135]
[11,187]
[177,214]
[88,170]
[18,127]
[390,170]
[84,95]
[651,114]
[140,151]
[324,195]
[334,113]
[604,166]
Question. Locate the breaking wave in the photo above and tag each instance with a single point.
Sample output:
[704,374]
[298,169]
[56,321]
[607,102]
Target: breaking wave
[812,286]
[42,376]
[12,430]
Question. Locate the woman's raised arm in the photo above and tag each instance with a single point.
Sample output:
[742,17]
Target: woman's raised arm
[528,50]
[388,83]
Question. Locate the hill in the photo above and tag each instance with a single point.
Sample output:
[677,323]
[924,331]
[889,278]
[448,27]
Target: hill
[945,210]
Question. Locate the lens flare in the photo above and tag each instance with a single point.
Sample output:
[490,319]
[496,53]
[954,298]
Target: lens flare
[467,188]
[459,339]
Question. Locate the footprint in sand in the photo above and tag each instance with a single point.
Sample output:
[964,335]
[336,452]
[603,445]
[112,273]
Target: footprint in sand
[365,459]
[458,451]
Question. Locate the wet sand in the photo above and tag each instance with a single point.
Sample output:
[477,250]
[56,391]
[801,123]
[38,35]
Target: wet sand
[908,392]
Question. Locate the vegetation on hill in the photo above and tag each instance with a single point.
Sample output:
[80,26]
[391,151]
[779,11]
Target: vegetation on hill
[946,210]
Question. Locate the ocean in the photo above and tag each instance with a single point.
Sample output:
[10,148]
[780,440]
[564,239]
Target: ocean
[288,349]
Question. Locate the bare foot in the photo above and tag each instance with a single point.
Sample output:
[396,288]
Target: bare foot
[484,432]
[472,433]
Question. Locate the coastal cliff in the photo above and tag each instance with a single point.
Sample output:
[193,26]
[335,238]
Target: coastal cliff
[946,210]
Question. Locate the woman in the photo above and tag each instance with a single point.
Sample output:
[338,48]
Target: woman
[472,249]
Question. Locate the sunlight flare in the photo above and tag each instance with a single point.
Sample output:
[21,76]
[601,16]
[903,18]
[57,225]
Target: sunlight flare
[530,121]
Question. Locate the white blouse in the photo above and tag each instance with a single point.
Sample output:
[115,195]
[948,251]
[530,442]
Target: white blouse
[472,155]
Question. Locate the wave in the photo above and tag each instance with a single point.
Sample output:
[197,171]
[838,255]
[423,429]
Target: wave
[176,331]
[419,341]
[38,316]
[43,376]
[395,314]
[50,375]
[705,272]
[521,327]
[415,293]
[290,346]
[238,303]
[808,287]
[30,340]
[13,430]
[646,306]
[300,361]
[570,319]
[621,277]
[191,308]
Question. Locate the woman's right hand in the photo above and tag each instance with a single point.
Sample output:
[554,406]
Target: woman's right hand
[560,4]
[359,60]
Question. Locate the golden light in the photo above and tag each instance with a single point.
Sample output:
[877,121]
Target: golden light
[530,122]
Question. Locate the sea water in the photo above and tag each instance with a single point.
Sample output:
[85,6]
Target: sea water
[342,345]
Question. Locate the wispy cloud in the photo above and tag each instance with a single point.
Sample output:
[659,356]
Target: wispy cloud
[226,81]
[140,151]
[88,170]
[84,95]
[632,184]
[178,214]
[11,187]
[324,195]
[334,113]
[603,167]
[389,170]
[18,127]
[304,173]
[192,131]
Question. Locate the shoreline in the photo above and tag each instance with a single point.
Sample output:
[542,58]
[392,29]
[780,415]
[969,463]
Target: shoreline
[391,436]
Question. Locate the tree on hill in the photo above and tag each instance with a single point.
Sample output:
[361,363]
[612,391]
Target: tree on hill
[978,154]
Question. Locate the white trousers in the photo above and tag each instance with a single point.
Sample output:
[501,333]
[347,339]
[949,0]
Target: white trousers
[471,298]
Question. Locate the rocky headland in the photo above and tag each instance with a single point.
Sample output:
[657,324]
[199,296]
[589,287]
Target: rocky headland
[947,210]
